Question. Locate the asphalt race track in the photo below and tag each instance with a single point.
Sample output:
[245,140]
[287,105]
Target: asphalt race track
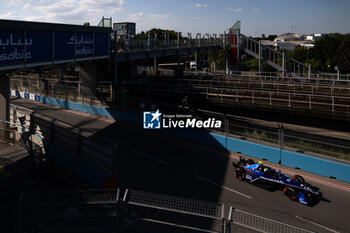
[155,162]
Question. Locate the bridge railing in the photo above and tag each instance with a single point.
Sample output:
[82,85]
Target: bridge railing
[161,44]
[275,58]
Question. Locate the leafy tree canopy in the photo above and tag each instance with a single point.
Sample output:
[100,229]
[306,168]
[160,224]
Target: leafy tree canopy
[157,32]
[329,51]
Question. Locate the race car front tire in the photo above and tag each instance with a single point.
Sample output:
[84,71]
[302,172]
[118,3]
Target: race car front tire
[240,174]
[290,193]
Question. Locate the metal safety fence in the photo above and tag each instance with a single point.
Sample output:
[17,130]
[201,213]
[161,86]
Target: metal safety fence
[20,156]
[74,91]
[135,211]
[20,143]
[177,204]
[261,224]
[44,130]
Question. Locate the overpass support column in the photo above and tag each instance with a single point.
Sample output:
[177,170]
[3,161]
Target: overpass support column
[283,65]
[4,102]
[87,75]
[196,59]
[115,81]
[260,65]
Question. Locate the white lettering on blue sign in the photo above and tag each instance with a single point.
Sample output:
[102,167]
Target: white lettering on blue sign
[84,50]
[10,41]
[80,40]
[14,55]
[37,98]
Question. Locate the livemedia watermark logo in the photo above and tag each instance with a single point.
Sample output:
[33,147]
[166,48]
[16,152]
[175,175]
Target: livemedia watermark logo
[157,120]
[152,120]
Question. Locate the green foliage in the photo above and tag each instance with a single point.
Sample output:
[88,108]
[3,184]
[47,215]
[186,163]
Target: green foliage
[160,34]
[300,144]
[329,51]
[271,37]
[250,64]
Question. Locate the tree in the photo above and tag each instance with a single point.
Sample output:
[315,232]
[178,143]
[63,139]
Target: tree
[159,32]
[250,64]
[329,51]
[271,37]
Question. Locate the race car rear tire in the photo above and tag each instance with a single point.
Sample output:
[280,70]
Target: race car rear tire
[290,193]
[240,174]
[299,179]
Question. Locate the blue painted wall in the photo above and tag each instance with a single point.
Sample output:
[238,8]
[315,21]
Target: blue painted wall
[311,164]
[315,165]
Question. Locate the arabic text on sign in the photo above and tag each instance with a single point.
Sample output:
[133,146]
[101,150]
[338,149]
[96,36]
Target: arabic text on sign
[11,42]
[84,50]
[15,55]
[80,40]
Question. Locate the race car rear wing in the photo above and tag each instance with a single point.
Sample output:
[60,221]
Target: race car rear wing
[241,161]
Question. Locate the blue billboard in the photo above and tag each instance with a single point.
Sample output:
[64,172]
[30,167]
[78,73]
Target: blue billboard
[38,46]
[84,44]
[100,43]
[25,47]
[12,47]
[63,48]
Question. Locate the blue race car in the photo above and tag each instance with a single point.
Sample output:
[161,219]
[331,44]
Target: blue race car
[295,188]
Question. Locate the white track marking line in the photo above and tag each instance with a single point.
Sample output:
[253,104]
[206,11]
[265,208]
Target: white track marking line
[148,156]
[177,225]
[317,224]
[224,187]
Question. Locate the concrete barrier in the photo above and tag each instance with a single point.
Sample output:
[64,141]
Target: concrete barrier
[323,167]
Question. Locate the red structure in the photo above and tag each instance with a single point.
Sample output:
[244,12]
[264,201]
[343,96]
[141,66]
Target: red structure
[234,46]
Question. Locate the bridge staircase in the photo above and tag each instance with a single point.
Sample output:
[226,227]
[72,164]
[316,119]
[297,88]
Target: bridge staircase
[276,59]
